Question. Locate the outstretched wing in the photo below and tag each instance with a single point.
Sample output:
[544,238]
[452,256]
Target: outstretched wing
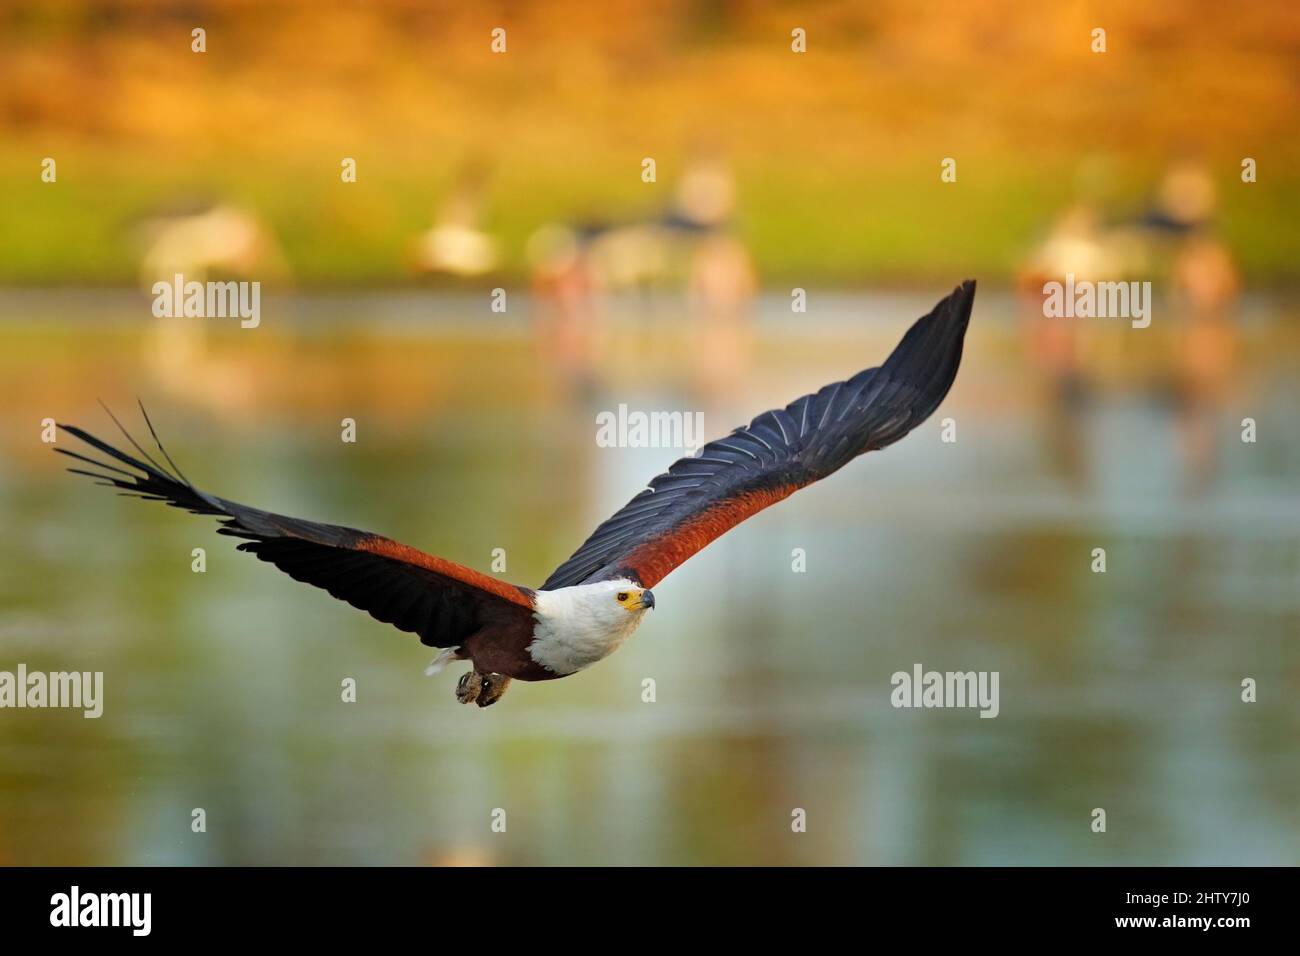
[703,496]
[443,602]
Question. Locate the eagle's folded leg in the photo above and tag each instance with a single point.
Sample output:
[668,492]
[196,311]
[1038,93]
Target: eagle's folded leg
[494,686]
[469,687]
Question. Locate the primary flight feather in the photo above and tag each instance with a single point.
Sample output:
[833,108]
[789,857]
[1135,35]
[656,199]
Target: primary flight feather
[596,599]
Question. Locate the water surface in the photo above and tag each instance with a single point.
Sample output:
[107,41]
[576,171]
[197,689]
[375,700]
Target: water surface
[1118,690]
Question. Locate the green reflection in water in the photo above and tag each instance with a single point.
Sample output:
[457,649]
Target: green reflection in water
[772,688]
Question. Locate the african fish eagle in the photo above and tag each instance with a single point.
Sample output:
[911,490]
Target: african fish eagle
[597,598]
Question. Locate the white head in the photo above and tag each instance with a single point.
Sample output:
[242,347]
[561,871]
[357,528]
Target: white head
[577,626]
[613,601]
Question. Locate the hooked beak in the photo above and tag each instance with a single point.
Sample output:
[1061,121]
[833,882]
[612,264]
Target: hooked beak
[647,600]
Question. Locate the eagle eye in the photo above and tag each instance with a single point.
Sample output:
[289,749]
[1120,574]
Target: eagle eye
[622,596]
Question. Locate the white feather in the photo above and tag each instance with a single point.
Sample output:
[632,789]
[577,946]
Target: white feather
[438,663]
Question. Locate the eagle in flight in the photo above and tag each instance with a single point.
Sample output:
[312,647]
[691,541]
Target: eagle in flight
[594,601]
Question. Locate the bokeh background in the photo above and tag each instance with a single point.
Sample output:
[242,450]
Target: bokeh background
[775,170]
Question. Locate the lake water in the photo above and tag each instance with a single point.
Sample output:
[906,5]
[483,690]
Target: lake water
[1118,690]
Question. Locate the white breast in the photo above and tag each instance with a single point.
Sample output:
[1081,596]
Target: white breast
[578,626]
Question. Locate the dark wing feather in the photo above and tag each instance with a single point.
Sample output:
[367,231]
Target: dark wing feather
[443,602]
[701,497]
